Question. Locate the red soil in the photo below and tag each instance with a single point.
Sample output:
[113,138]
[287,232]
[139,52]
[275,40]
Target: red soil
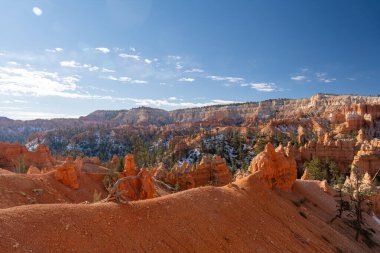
[22,189]
[240,217]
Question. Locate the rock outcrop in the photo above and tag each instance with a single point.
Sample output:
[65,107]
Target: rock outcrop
[305,175]
[368,157]
[212,170]
[130,166]
[13,156]
[67,174]
[342,152]
[140,184]
[275,168]
[33,170]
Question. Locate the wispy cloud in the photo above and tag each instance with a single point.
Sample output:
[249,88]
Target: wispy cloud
[73,64]
[186,79]
[194,70]
[105,70]
[37,11]
[322,77]
[54,50]
[18,81]
[147,61]
[167,103]
[174,57]
[226,78]
[265,87]
[16,113]
[13,63]
[14,101]
[126,79]
[298,78]
[104,50]
[130,56]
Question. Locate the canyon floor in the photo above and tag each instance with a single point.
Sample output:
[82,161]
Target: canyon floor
[243,216]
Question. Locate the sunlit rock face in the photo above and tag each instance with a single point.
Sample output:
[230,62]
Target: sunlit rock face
[140,184]
[212,170]
[367,158]
[275,168]
[16,155]
[342,152]
[67,174]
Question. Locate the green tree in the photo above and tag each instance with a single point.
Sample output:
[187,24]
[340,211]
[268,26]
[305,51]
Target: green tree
[315,169]
[359,187]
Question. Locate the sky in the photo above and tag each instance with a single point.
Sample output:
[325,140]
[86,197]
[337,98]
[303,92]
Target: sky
[70,58]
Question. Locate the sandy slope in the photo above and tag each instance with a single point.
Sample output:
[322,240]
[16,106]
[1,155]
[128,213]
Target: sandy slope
[242,217]
[22,189]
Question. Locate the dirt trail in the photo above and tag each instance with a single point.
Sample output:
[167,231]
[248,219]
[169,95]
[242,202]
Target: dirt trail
[241,217]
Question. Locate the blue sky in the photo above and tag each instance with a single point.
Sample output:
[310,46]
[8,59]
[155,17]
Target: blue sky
[69,58]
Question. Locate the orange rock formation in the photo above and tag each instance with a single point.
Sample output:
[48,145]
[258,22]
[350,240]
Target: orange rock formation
[130,166]
[15,155]
[368,157]
[275,168]
[67,174]
[140,185]
[33,170]
[342,152]
[211,170]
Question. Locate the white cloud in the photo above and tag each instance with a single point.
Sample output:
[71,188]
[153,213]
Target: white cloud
[18,81]
[186,79]
[130,56]
[173,98]
[147,61]
[194,70]
[73,64]
[166,103]
[104,50]
[174,57]
[132,49]
[298,78]
[322,77]
[105,70]
[37,11]
[226,78]
[93,68]
[54,50]
[13,63]
[265,87]
[14,101]
[126,79]
[16,113]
